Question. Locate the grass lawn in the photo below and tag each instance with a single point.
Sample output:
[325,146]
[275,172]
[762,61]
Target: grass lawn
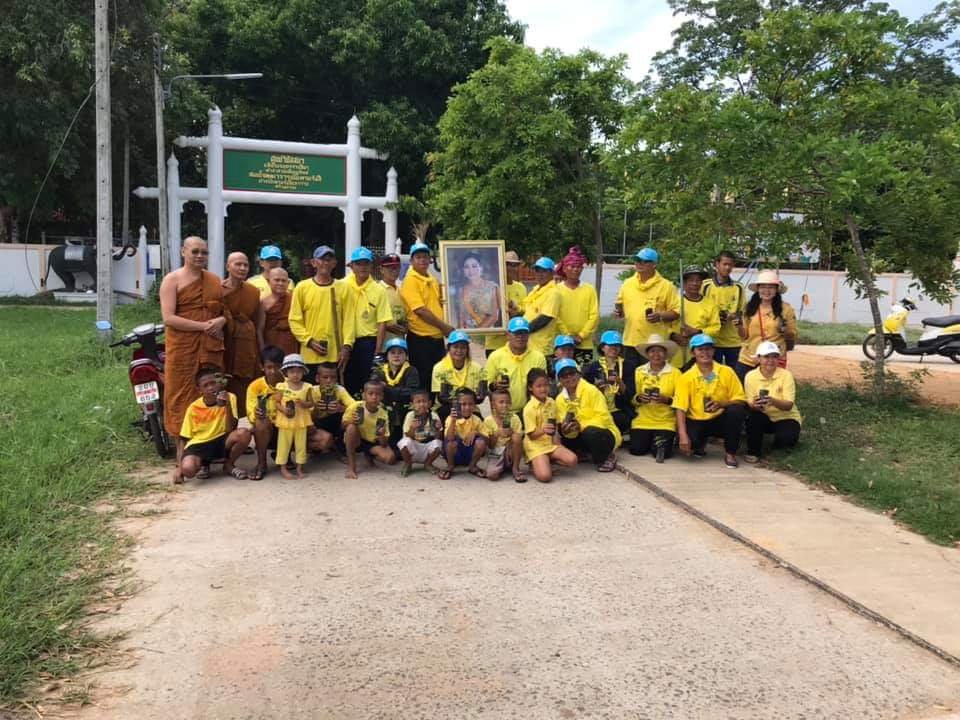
[65,412]
[812,333]
[896,456]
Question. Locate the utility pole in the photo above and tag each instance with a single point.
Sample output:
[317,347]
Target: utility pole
[104,170]
[161,160]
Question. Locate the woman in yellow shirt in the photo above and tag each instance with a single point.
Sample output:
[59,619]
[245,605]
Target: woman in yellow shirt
[767,317]
[587,425]
[540,426]
[698,314]
[654,427]
[771,396]
[456,371]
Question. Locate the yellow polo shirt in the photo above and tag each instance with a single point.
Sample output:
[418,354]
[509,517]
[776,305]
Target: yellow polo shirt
[692,388]
[372,306]
[257,389]
[516,292]
[492,428]
[261,284]
[731,297]
[421,291]
[503,362]
[702,314]
[469,376]
[396,307]
[657,293]
[579,312]
[312,317]
[781,386]
[368,426]
[543,300]
[589,407]
[464,426]
[655,416]
[535,416]
[765,326]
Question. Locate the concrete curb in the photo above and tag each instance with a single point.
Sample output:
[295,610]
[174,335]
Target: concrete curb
[857,607]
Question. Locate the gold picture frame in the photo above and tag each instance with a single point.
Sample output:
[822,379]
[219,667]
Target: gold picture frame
[469,270]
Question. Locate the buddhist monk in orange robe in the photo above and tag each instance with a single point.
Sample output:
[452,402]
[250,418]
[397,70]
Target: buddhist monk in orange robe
[275,326]
[242,300]
[191,302]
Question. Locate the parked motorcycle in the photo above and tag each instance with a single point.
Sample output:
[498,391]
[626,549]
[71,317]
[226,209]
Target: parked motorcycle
[146,376]
[941,335]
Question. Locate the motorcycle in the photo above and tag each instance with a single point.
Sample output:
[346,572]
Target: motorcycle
[941,335]
[146,376]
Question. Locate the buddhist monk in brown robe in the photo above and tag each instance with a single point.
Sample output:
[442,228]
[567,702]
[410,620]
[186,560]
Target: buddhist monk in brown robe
[241,351]
[275,326]
[191,302]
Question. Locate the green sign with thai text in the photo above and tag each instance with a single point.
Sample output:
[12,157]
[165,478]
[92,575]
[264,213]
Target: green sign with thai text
[284,172]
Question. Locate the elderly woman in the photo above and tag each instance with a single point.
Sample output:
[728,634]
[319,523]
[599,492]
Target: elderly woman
[654,427]
[586,425]
[766,318]
[709,402]
[479,305]
[771,396]
[455,371]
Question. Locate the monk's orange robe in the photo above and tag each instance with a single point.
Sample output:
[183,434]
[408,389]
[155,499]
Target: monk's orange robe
[188,351]
[276,326]
[241,354]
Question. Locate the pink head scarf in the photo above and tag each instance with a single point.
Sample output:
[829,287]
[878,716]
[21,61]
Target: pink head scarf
[573,258]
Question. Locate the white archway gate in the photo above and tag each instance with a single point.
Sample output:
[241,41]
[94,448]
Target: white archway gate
[274,172]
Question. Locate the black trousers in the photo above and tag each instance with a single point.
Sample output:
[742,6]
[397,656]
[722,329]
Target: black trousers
[727,355]
[360,364]
[425,352]
[646,441]
[786,433]
[727,425]
[599,442]
[622,420]
[741,370]
[630,354]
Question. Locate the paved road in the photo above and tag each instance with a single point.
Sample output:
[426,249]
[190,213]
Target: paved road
[414,598]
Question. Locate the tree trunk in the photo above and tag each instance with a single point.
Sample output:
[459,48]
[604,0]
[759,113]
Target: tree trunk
[598,240]
[866,277]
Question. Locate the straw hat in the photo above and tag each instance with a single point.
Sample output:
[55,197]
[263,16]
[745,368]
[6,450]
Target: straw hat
[767,277]
[655,340]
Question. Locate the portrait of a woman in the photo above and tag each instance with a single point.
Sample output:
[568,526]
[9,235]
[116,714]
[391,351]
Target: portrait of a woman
[478,303]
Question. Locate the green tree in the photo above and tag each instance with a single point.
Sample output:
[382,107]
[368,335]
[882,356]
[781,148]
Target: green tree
[520,147]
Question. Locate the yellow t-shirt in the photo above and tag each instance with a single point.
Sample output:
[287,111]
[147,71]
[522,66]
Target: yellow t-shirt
[321,394]
[543,300]
[702,314]
[516,292]
[692,388]
[579,312]
[535,414]
[589,406]
[731,298]
[301,418]
[396,307]
[312,317]
[469,376]
[368,426]
[764,326]
[203,423]
[609,391]
[421,291]
[423,434]
[655,416]
[257,389]
[261,284]
[464,427]
[503,362]
[491,430]
[781,386]
[371,305]
[658,294]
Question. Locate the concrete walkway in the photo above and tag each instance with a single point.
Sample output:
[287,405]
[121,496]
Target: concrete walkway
[857,552]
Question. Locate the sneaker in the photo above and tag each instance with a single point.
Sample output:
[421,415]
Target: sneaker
[752,459]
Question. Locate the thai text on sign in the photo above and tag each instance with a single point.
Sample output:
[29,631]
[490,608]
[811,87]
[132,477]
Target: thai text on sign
[283,172]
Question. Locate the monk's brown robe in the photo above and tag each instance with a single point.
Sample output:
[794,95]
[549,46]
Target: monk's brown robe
[241,357]
[188,350]
[276,326]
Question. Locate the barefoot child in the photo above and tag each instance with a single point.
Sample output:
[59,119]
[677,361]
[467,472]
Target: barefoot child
[540,428]
[293,414]
[365,429]
[209,432]
[421,434]
[464,442]
[504,435]
[330,401]
[260,410]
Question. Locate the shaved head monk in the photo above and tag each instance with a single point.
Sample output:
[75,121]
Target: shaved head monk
[273,325]
[242,354]
[191,302]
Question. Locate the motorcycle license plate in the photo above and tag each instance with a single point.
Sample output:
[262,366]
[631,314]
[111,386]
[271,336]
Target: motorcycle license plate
[146,392]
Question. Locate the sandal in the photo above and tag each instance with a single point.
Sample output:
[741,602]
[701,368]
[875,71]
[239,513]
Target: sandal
[477,472]
[257,474]
[608,465]
[444,474]
[203,473]
[238,473]
[519,476]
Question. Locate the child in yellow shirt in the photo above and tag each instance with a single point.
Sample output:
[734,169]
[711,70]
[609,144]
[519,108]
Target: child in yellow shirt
[504,435]
[540,428]
[366,429]
[330,401]
[463,440]
[293,403]
[261,410]
[421,434]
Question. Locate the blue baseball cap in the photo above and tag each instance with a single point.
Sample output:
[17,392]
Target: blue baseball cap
[270,252]
[419,247]
[457,336]
[361,254]
[647,255]
[700,340]
[563,341]
[565,364]
[611,337]
[518,324]
[323,251]
[394,343]
[544,263]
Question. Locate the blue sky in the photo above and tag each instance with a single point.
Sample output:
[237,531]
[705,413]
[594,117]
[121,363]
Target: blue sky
[639,28]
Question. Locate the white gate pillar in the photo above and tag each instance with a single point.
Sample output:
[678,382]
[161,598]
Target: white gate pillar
[389,213]
[215,209]
[351,216]
[174,207]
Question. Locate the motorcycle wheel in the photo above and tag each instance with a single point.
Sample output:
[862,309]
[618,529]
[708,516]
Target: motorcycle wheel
[955,357]
[158,435]
[868,347]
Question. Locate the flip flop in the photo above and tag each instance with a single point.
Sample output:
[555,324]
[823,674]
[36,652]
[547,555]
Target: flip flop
[519,476]
[478,472]
[203,473]
[444,474]
[608,465]
[238,473]
[257,474]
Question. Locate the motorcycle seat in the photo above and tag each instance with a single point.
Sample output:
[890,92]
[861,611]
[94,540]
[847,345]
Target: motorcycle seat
[945,321]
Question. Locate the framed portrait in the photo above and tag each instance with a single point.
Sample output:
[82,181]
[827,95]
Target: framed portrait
[474,276]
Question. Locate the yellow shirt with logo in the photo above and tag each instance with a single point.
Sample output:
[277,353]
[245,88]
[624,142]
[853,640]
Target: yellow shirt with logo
[702,314]
[260,388]
[535,414]
[203,423]
[491,429]
[421,291]
[503,362]
[312,317]
[763,325]
[261,284]
[469,376]
[543,300]
[656,416]
[692,387]
[589,406]
[371,305]
[322,394]
[368,426]
[516,293]
[781,386]
[579,312]
[658,294]
[730,297]
[397,308]
[464,426]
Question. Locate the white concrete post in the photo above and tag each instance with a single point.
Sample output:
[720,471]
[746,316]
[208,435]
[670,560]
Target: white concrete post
[215,212]
[351,215]
[174,208]
[390,214]
[142,250]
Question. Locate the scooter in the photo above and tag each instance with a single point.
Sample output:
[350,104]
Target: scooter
[146,376]
[941,335]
